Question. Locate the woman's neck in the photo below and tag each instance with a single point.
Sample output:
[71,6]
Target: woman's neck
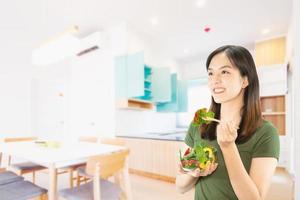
[231,110]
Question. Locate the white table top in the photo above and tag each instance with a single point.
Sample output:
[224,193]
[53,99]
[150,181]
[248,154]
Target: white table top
[65,155]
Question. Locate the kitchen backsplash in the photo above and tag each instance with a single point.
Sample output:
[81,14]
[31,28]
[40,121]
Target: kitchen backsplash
[137,122]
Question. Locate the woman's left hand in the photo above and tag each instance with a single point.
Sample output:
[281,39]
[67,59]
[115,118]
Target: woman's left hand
[226,133]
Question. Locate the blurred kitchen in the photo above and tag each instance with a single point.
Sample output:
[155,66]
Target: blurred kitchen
[135,71]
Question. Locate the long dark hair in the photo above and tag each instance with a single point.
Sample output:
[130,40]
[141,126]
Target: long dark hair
[241,58]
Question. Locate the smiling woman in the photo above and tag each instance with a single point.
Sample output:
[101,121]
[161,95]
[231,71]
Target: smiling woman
[247,156]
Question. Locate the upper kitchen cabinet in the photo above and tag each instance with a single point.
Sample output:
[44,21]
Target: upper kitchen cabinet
[182,96]
[148,93]
[178,101]
[129,74]
[120,76]
[270,52]
[135,74]
[161,85]
[133,83]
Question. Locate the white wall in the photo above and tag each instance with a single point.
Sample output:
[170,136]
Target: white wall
[91,102]
[134,122]
[48,108]
[194,69]
[15,73]
[288,140]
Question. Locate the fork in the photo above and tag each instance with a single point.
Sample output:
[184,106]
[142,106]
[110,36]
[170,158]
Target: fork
[216,120]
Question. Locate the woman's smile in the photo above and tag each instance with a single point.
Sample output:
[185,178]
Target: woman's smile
[218,90]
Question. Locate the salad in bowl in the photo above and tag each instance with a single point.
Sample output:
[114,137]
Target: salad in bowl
[201,156]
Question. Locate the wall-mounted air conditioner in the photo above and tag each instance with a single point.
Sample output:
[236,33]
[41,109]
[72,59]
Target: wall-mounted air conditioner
[89,43]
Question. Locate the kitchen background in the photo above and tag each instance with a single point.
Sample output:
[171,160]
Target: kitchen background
[136,69]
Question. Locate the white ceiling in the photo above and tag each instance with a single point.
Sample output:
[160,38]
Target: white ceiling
[180,22]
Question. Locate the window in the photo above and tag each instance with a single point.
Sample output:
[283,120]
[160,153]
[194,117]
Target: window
[198,97]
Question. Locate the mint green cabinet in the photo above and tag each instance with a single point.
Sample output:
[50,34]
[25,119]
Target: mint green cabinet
[179,100]
[129,75]
[147,82]
[135,74]
[161,85]
[182,96]
[120,76]
[134,79]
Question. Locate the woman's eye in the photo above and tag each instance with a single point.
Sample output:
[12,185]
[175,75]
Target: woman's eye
[209,73]
[225,72]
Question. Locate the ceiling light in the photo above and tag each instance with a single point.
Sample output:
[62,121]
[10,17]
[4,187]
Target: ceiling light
[153,21]
[265,31]
[200,3]
[186,51]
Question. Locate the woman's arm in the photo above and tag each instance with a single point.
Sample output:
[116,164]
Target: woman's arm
[245,186]
[187,180]
[253,186]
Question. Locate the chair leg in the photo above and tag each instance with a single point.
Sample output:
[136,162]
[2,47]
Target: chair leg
[71,177]
[33,176]
[78,180]
[0,159]
[9,161]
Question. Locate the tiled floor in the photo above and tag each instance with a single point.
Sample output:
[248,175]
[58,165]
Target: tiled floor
[150,189]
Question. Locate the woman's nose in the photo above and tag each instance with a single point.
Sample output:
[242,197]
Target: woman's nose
[215,79]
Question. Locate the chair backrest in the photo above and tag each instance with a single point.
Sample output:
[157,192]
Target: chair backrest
[16,139]
[108,164]
[20,139]
[112,141]
[88,139]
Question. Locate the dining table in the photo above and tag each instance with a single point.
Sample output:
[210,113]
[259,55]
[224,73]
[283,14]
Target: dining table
[56,155]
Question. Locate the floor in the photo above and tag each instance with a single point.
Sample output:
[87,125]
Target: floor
[149,189]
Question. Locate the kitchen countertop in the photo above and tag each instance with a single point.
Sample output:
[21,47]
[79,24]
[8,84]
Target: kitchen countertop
[170,136]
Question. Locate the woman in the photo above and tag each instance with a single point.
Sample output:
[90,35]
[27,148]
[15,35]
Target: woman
[247,146]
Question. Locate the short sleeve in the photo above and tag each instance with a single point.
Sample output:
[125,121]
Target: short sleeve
[267,144]
[189,138]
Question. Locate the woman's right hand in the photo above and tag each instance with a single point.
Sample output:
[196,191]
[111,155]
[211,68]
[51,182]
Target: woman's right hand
[197,172]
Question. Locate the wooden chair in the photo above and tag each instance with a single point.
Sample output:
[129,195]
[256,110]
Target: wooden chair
[100,168]
[81,175]
[73,168]
[91,139]
[112,141]
[24,167]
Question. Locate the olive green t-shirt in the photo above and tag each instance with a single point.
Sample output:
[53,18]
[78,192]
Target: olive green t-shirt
[263,143]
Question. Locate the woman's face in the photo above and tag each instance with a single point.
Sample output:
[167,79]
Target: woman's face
[224,79]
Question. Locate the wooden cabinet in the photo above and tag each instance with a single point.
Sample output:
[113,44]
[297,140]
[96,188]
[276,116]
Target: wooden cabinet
[154,158]
[270,52]
[134,104]
[273,110]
